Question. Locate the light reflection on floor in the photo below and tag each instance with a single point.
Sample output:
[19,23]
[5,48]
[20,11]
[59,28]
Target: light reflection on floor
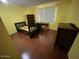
[25,55]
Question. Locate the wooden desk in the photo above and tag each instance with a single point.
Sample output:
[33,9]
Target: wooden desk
[39,47]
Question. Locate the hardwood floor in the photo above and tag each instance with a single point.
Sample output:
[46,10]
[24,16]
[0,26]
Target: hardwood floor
[39,47]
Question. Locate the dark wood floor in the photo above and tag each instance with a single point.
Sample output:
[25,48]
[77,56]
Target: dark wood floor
[39,47]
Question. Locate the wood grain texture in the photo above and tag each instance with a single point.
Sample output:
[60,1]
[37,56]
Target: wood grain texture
[39,47]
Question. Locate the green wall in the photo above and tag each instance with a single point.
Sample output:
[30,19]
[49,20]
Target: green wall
[6,46]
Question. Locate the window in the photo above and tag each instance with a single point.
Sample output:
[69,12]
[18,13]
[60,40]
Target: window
[45,15]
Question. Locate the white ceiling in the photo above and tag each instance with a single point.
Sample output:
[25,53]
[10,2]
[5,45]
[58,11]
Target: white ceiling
[27,2]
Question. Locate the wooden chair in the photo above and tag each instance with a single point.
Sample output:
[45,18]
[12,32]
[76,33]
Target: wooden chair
[33,27]
[20,24]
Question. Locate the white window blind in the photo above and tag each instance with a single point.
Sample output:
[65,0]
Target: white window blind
[46,15]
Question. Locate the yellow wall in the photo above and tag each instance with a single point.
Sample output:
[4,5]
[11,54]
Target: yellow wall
[11,15]
[74,12]
[74,52]
[73,17]
[66,11]
[7,49]
[61,13]
[30,10]
[52,4]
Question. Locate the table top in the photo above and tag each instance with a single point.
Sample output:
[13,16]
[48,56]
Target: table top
[68,26]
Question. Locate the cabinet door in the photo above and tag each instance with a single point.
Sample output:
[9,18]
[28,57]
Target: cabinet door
[65,38]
